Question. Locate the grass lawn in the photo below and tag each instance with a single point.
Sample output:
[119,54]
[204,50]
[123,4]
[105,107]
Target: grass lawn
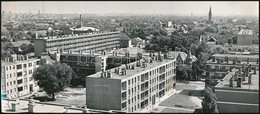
[179,100]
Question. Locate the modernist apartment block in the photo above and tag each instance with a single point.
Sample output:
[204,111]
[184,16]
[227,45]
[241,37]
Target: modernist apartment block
[95,41]
[246,37]
[132,87]
[238,92]
[244,49]
[16,75]
[218,67]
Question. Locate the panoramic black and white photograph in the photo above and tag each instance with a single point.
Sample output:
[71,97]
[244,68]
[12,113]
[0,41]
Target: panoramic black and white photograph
[130,56]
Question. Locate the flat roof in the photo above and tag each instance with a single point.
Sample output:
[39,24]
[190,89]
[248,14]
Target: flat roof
[231,62]
[253,86]
[132,72]
[245,32]
[245,46]
[236,55]
[4,63]
[75,35]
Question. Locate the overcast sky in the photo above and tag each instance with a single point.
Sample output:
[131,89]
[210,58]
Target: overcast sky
[222,8]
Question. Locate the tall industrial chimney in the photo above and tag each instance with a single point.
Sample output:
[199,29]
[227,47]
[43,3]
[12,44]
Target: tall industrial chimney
[80,20]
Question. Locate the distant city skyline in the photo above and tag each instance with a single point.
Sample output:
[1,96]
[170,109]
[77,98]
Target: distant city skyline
[185,8]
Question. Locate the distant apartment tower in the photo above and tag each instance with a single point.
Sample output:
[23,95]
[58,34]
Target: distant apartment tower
[95,41]
[132,87]
[16,75]
[246,37]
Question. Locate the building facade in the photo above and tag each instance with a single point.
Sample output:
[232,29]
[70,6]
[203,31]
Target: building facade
[218,67]
[132,87]
[238,91]
[95,41]
[16,76]
[246,37]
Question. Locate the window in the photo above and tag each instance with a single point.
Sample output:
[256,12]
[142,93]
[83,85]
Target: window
[30,64]
[10,75]
[30,71]
[20,88]
[19,66]
[14,82]
[20,81]
[6,68]
[10,83]
[25,73]
[19,74]
[7,84]
[24,65]
[13,66]
[38,62]
[10,67]
[7,76]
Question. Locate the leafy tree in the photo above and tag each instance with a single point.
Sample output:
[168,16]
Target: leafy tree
[219,50]
[209,102]
[53,78]
[209,29]
[183,72]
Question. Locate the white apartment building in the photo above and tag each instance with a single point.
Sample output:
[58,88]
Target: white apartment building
[132,87]
[16,76]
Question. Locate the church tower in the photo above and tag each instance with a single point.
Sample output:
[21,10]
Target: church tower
[210,16]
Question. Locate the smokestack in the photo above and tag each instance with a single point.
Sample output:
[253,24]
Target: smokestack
[36,35]
[243,67]
[80,21]
[231,80]
[247,71]
[244,76]
[250,67]
[239,82]
[255,69]
[133,66]
[235,77]
[213,59]
[239,71]
[249,78]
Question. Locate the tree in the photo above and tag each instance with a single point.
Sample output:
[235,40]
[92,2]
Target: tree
[53,78]
[209,102]
[183,72]
[219,50]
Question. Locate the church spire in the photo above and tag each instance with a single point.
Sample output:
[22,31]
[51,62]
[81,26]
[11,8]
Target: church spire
[210,14]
